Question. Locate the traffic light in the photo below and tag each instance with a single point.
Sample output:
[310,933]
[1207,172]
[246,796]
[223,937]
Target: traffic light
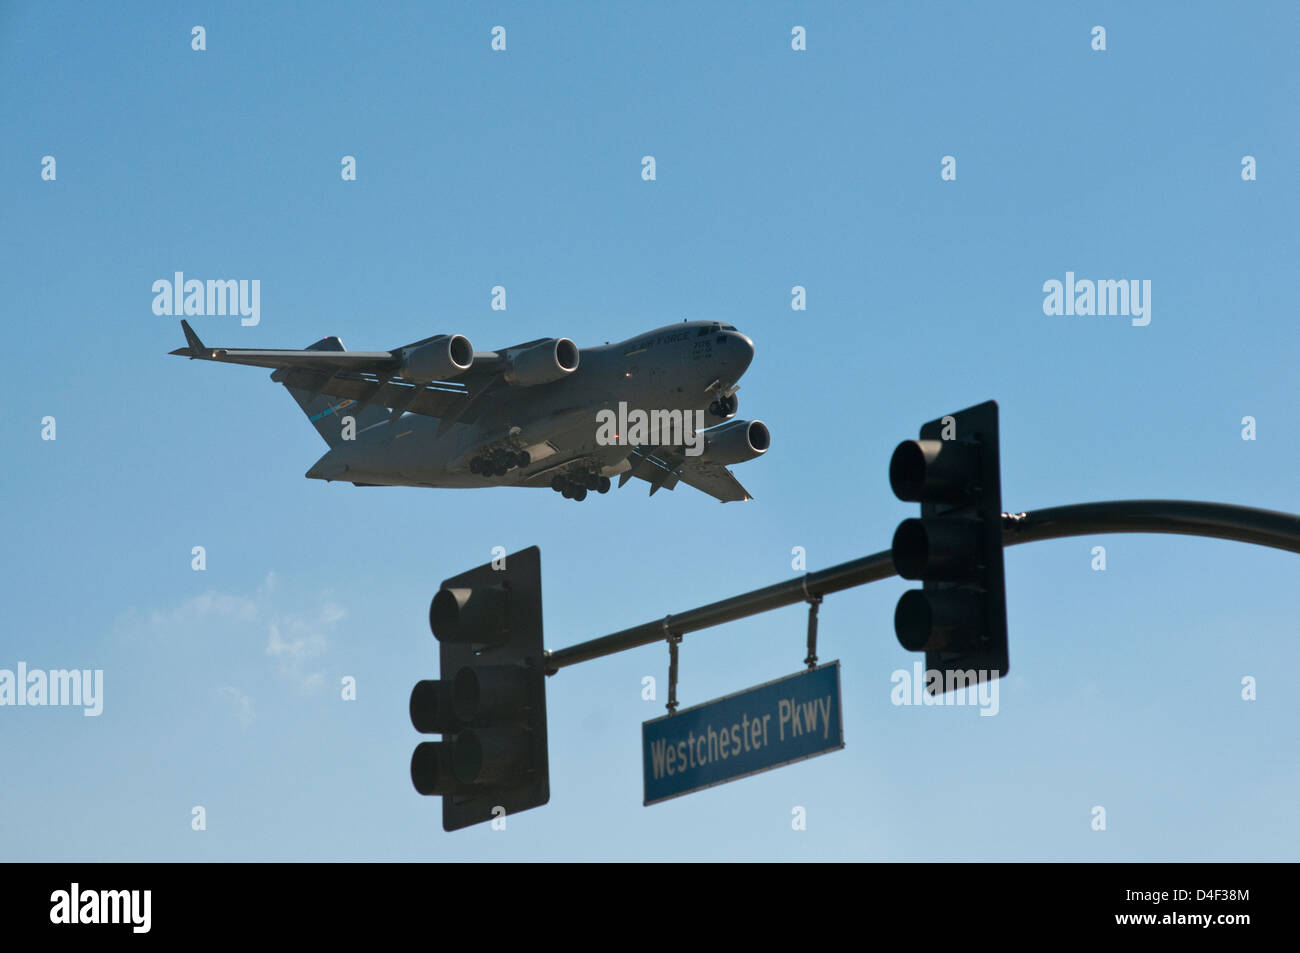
[959,618]
[490,703]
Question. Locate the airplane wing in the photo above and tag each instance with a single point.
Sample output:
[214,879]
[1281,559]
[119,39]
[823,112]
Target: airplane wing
[664,467]
[319,360]
[368,377]
[442,401]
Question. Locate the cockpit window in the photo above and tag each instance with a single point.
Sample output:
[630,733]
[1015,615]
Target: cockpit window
[728,327]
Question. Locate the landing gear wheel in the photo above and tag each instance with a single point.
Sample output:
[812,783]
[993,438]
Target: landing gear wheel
[604,485]
[476,465]
[580,494]
[557,483]
[590,481]
[523,458]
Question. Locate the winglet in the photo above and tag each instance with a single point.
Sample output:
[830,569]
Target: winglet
[193,339]
[196,348]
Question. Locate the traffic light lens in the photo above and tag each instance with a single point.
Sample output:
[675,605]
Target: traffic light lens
[940,620]
[444,614]
[907,471]
[473,615]
[913,620]
[428,713]
[911,549]
[934,471]
[946,548]
[425,767]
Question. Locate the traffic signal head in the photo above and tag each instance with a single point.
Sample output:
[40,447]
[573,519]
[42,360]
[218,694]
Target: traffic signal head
[959,617]
[490,702]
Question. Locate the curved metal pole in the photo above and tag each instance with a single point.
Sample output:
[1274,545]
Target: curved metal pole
[1244,524]
[1185,517]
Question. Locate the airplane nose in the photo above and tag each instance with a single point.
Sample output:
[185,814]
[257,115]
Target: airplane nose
[746,346]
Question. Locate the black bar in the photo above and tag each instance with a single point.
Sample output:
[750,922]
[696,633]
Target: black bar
[230,901]
[1185,517]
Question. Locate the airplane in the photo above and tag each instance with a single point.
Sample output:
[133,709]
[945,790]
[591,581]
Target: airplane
[545,413]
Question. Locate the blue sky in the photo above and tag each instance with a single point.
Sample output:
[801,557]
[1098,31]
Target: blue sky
[775,168]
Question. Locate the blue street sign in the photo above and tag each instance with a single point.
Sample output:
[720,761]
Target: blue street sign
[761,728]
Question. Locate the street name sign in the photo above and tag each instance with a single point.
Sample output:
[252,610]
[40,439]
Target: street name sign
[758,729]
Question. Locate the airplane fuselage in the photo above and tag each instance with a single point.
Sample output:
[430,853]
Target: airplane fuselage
[683,367]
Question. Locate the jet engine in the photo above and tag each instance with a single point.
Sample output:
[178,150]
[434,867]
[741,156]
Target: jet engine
[437,359]
[735,442]
[543,363]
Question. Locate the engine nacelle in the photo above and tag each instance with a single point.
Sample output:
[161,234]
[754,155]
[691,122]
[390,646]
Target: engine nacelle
[543,363]
[440,359]
[735,442]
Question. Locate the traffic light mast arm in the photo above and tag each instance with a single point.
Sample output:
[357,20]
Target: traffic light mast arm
[856,572]
[1244,524]
[1186,517]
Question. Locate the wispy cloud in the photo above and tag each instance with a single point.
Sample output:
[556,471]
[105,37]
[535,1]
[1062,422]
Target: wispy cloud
[296,640]
[242,705]
[205,605]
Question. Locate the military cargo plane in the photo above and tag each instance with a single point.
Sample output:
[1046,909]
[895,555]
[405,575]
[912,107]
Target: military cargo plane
[545,413]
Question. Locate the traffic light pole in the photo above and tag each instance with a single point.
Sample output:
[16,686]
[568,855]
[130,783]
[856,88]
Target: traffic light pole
[1185,517]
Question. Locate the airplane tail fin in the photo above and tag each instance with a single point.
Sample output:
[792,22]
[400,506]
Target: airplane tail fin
[334,416]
